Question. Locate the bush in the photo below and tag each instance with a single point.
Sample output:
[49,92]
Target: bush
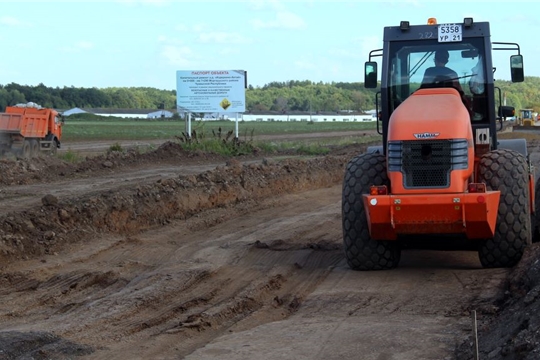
[116,147]
[70,156]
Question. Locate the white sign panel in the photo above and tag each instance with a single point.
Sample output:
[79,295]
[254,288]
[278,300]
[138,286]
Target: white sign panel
[211,91]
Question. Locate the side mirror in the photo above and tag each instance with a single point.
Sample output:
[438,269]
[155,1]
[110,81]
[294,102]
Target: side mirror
[506,111]
[469,54]
[370,75]
[516,68]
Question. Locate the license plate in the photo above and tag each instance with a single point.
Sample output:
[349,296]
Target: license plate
[450,33]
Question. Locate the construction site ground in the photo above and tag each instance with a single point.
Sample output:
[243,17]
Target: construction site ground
[168,254]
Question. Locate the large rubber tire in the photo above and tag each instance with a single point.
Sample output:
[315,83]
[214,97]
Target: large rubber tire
[361,251]
[54,148]
[506,170]
[535,218]
[26,150]
[34,148]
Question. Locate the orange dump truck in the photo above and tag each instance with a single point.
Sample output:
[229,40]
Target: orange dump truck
[28,129]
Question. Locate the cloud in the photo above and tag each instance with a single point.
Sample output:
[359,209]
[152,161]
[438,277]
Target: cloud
[199,27]
[347,53]
[403,3]
[169,40]
[78,47]
[259,5]
[229,51]
[6,72]
[368,43]
[175,52]
[304,65]
[178,55]
[155,2]
[10,21]
[144,2]
[522,18]
[282,20]
[180,27]
[84,45]
[223,38]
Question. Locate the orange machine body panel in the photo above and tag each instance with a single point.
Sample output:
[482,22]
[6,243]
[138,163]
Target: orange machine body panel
[472,214]
[30,122]
[443,116]
[432,114]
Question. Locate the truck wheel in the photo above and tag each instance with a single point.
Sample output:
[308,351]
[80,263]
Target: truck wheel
[506,170]
[34,148]
[535,218]
[26,150]
[54,147]
[361,251]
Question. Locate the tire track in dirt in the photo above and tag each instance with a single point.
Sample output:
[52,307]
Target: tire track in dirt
[414,312]
[182,280]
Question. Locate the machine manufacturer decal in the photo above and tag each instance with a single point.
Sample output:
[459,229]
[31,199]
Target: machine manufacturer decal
[426,135]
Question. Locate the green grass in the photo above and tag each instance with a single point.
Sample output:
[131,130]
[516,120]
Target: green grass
[70,156]
[116,147]
[124,129]
[219,146]
[313,147]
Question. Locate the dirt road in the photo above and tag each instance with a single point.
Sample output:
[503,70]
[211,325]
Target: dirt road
[212,259]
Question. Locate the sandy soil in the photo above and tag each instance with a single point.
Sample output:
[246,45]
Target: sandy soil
[171,255]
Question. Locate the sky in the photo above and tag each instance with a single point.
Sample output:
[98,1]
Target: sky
[143,43]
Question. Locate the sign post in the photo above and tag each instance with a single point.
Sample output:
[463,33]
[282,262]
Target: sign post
[209,91]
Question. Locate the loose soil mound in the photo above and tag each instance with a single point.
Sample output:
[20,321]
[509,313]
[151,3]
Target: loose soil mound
[508,326]
[50,168]
[48,228]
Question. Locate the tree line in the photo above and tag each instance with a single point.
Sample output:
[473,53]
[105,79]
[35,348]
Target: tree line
[284,97]
[71,97]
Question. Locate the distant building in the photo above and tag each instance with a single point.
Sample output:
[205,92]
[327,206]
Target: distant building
[123,113]
[73,111]
[315,117]
[160,114]
[252,116]
[216,116]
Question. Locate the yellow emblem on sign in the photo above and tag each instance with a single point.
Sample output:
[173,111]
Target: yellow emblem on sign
[225,103]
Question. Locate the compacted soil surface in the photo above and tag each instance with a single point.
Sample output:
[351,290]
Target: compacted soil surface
[170,254]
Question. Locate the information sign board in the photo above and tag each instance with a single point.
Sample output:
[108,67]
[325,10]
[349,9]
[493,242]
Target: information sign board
[208,91]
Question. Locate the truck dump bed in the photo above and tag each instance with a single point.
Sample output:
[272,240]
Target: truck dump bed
[28,122]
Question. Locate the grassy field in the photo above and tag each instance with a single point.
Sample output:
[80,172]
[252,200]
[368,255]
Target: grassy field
[117,130]
[121,129]
[205,135]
